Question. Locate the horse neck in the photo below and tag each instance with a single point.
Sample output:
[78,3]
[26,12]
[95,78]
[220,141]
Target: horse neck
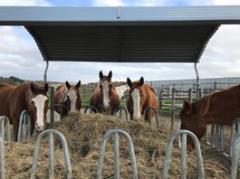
[23,95]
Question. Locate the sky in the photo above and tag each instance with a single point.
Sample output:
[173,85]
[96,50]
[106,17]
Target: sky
[20,56]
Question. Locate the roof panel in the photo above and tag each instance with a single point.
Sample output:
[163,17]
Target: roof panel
[121,34]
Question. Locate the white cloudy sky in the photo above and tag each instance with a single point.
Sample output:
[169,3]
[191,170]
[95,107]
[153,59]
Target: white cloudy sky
[20,56]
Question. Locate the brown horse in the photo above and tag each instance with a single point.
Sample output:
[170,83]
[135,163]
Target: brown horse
[105,98]
[141,96]
[27,96]
[68,96]
[222,107]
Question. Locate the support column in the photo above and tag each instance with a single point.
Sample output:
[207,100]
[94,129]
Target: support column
[45,72]
[197,80]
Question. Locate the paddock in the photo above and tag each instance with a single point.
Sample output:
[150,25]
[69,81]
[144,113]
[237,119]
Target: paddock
[127,28]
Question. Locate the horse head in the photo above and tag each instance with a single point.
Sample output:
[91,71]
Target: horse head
[39,105]
[105,85]
[72,97]
[136,98]
[191,120]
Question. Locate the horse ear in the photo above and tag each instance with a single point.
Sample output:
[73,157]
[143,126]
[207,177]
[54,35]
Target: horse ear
[129,82]
[110,74]
[100,75]
[68,85]
[141,81]
[186,107]
[45,87]
[33,89]
[78,84]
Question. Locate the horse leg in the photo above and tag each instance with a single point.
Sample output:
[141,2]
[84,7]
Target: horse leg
[15,129]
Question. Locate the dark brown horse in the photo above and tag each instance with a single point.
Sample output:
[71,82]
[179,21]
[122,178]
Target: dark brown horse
[105,98]
[69,97]
[141,96]
[222,107]
[27,96]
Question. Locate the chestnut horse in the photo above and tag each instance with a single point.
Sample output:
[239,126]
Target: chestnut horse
[27,96]
[68,96]
[141,96]
[105,98]
[222,107]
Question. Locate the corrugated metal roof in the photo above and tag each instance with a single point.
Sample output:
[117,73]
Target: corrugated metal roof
[126,34]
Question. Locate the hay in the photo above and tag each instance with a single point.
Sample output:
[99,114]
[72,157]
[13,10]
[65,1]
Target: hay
[84,134]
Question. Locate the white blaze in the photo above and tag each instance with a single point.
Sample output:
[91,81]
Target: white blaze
[73,98]
[39,103]
[136,104]
[105,87]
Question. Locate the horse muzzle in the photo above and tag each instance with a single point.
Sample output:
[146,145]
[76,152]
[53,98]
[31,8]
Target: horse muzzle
[39,127]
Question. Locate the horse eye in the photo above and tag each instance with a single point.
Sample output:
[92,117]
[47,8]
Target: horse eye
[32,102]
[100,86]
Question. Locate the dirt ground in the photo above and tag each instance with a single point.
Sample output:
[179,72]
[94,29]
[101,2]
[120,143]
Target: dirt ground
[84,133]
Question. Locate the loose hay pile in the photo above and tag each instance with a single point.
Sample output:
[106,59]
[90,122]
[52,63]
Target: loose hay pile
[84,134]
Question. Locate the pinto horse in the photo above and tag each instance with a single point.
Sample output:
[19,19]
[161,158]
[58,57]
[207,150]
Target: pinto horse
[27,96]
[141,96]
[68,96]
[105,98]
[222,107]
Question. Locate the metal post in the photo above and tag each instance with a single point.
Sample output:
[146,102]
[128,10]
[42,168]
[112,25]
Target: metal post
[173,108]
[2,159]
[190,95]
[148,110]
[45,72]
[5,128]
[25,127]
[52,106]
[197,80]
[116,153]
[168,152]
[62,139]
[120,109]
[235,158]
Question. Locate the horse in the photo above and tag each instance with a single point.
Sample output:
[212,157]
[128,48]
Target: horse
[121,90]
[220,107]
[68,96]
[27,96]
[105,98]
[140,97]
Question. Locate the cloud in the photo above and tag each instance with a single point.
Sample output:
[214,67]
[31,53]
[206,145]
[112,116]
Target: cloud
[24,3]
[108,3]
[226,2]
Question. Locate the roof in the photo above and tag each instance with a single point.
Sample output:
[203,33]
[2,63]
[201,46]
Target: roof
[121,34]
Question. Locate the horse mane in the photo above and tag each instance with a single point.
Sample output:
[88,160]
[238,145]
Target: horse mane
[60,86]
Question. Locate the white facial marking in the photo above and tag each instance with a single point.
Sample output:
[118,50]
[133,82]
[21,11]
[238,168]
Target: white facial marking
[136,104]
[73,98]
[105,87]
[39,103]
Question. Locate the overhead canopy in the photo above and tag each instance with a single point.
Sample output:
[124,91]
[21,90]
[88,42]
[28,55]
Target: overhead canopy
[126,34]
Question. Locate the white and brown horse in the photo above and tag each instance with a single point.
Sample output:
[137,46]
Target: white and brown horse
[69,97]
[27,96]
[141,96]
[105,98]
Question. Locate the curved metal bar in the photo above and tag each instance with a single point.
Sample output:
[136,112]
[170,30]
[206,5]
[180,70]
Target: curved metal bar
[5,128]
[149,109]
[2,158]
[92,108]
[120,109]
[25,126]
[235,158]
[168,151]
[62,139]
[116,132]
